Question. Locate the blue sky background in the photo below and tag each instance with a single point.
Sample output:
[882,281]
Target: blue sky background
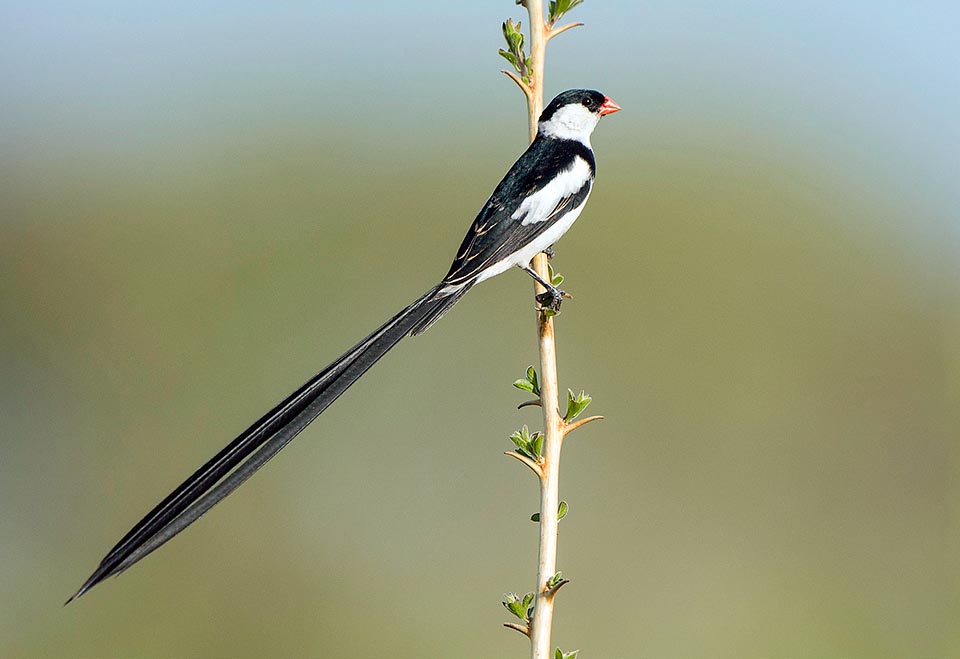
[94,77]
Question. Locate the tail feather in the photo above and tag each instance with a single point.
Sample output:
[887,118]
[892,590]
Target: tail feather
[450,296]
[255,446]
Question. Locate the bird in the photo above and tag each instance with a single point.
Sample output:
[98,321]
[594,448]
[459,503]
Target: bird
[537,201]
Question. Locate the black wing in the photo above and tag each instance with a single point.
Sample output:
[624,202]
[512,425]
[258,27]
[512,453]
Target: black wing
[495,234]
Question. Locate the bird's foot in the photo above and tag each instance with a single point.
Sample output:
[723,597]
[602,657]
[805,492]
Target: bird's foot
[550,300]
[549,252]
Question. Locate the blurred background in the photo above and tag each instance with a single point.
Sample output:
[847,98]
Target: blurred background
[203,203]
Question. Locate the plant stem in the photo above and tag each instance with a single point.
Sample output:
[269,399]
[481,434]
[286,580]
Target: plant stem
[542,623]
[538,48]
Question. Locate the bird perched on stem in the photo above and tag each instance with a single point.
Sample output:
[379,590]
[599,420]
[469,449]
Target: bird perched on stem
[534,204]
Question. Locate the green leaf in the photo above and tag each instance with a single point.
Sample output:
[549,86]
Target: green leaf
[515,605]
[520,607]
[560,7]
[555,579]
[536,444]
[555,278]
[525,385]
[510,29]
[562,510]
[515,42]
[533,380]
[527,444]
[514,52]
[529,603]
[576,404]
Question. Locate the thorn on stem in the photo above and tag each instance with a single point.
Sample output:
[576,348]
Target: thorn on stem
[553,591]
[534,467]
[570,427]
[524,87]
[560,30]
[520,628]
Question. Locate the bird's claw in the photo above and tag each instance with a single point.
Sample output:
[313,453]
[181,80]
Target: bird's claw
[548,252]
[550,299]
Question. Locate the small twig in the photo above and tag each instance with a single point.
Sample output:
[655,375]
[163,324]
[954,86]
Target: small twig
[523,629]
[553,591]
[560,30]
[524,87]
[570,427]
[534,467]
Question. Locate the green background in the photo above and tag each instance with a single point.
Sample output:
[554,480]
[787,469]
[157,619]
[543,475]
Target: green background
[201,204]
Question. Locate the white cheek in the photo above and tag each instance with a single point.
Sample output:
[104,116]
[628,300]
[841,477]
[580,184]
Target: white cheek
[573,122]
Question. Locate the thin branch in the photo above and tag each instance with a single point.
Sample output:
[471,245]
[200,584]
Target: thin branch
[520,83]
[534,467]
[560,30]
[530,403]
[520,628]
[561,584]
[570,427]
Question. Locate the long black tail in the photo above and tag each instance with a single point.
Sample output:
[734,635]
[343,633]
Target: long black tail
[239,459]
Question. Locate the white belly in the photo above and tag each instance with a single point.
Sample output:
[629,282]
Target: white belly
[523,256]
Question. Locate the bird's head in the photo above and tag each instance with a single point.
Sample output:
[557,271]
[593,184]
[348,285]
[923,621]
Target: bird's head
[573,114]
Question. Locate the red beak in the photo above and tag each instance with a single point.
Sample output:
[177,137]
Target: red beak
[608,107]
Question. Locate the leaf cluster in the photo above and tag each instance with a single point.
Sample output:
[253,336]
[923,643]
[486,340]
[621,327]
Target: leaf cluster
[558,8]
[576,404]
[531,383]
[522,607]
[514,53]
[554,580]
[566,655]
[529,444]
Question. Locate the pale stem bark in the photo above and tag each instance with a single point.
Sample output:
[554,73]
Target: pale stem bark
[542,623]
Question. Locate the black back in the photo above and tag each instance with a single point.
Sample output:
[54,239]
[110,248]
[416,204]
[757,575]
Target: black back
[494,234]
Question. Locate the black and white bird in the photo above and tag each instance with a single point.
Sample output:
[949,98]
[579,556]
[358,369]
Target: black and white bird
[534,204]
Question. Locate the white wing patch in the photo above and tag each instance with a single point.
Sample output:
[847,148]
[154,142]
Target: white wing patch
[540,205]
